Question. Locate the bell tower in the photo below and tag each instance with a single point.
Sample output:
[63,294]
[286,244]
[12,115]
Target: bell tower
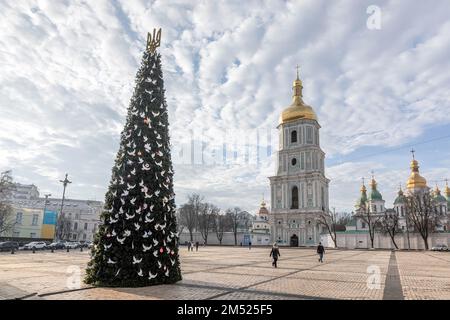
[299,190]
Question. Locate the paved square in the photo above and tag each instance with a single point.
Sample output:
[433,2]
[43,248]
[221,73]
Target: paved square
[239,273]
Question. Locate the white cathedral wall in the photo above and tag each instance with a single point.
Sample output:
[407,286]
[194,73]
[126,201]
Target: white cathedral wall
[362,241]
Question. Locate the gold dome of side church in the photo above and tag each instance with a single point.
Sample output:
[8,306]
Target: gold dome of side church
[415,181]
[298,109]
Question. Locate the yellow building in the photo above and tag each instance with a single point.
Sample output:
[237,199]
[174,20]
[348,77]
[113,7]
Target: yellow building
[28,223]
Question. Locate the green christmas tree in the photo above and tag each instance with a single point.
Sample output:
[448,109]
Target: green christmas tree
[137,243]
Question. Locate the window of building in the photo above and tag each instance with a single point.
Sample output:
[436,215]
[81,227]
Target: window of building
[363,225]
[16,234]
[35,220]
[19,216]
[294,136]
[85,226]
[75,226]
[294,198]
[84,236]
[32,235]
[74,236]
[294,161]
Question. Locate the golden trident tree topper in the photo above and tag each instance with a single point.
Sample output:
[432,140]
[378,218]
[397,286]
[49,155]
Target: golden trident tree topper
[154,41]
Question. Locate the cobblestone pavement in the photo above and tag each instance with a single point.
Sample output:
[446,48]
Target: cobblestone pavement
[239,273]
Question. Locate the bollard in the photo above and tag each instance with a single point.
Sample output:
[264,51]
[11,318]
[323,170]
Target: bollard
[52,250]
[12,251]
[67,249]
[34,249]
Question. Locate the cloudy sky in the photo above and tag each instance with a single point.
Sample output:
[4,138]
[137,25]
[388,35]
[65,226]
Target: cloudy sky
[67,72]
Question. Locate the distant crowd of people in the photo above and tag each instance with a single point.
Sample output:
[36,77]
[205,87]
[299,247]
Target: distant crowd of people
[191,245]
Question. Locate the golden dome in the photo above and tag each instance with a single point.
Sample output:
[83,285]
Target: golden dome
[263,203]
[363,189]
[415,181]
[298,109]
[263,209]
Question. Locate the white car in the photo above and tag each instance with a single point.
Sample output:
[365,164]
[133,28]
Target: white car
[36,245]
[71,245]
[440,247]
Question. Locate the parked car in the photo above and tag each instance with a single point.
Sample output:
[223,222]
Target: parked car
[84,245]
[56,245]
[440,247]
[37,245]
[71,245]
[9,245]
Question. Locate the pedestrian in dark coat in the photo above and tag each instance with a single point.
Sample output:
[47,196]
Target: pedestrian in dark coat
[274,253]
[249,245]
[189,246]
[196,246]
[320,251]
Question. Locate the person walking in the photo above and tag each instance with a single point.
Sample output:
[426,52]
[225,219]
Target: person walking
[320,251]
[189,245]
[249,245]
[196,246]
[275,253]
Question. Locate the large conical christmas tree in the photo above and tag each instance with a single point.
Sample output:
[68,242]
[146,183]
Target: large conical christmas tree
[137,243]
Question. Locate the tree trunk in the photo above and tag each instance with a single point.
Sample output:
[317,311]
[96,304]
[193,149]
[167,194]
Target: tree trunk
[191,236]
[425,241]
[235,238]
[393,242]
[334,239]
[371,239]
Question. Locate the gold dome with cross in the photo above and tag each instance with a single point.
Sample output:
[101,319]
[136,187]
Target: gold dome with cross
[298,109]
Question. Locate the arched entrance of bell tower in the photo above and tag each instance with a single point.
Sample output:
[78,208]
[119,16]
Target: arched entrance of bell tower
[294,241]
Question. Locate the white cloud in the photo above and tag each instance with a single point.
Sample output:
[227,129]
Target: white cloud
[68,73]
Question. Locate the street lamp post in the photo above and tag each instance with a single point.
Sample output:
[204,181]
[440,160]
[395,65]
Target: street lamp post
[65,182]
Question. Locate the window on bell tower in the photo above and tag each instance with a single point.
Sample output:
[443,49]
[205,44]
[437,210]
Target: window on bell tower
[294,136]
[294,198]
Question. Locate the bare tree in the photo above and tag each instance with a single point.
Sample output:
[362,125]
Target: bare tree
[189,213]
[63,227]
[221,223]
[206,219]
[389,225]
[421,212]
[342,219]
[245,220]
[234,217]
[188,218]
[328,220]
[371,220]
[7,221]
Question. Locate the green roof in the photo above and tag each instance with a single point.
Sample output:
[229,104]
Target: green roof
[352,231]
[375,195]
[440,198]
[399,199]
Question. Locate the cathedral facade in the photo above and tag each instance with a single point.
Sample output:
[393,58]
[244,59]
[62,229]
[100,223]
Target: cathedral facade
[299,190]
[416,184]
